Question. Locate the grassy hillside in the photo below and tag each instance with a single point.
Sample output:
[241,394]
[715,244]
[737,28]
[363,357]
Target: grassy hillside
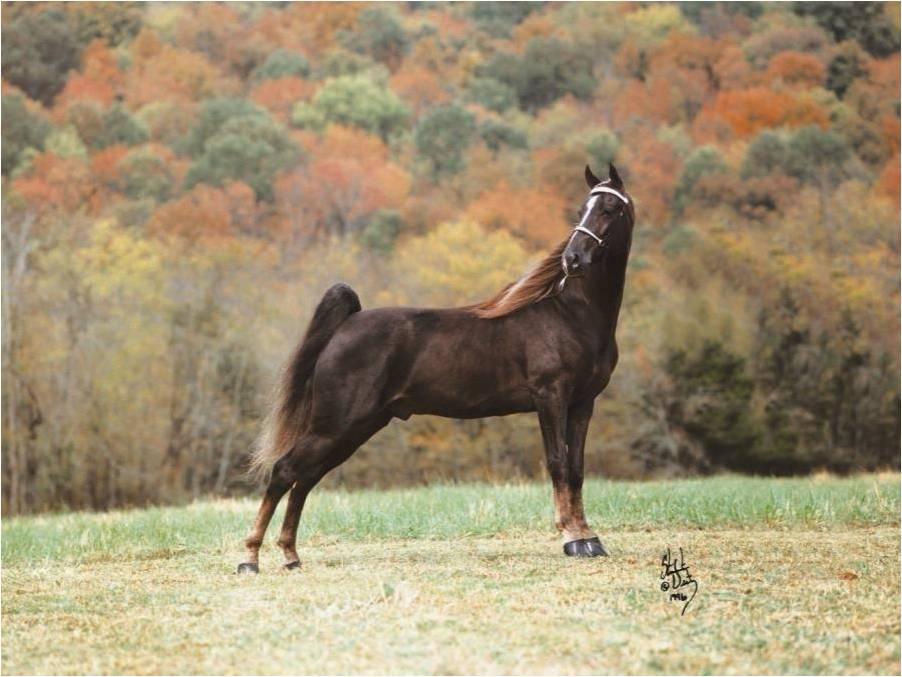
[798,576]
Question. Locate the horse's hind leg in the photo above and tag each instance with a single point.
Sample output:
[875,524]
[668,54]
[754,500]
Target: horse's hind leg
[313,458]
[279,483]
[289,535]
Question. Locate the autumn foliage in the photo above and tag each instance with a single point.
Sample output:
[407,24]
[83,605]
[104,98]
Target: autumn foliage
[181,181]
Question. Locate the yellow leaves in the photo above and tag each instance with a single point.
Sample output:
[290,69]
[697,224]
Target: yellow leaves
[460,263]
[116,263]
[653,23]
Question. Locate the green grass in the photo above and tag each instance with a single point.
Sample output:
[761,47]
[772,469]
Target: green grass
[454,511]
[796,576]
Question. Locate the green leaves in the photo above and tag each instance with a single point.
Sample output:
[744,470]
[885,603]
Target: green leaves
[251,149]
[282,64]
[22,130]
[443,136]
[549,69]
[355,101]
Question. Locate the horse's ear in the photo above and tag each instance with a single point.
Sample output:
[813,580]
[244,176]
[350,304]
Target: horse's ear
[614,176]
[591,179]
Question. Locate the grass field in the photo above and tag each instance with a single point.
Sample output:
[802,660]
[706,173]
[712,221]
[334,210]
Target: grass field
[795,576]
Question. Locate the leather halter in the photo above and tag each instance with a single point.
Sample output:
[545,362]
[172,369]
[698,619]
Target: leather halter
[598,190]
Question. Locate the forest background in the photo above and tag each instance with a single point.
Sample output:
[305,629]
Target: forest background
[181,182]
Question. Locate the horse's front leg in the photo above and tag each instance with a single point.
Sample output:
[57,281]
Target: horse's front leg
[553,419]
[583,542]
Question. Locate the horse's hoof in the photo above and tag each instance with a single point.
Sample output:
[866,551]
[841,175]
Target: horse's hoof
[596,547]
[248,568]
[288,566]
[585,547]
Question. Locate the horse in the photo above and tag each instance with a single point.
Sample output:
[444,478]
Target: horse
[544,343]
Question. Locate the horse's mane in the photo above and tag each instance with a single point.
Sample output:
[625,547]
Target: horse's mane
[537,283]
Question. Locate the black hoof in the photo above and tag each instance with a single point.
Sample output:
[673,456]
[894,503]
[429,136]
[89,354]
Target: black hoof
[585,547]
[248,568]
[291,565]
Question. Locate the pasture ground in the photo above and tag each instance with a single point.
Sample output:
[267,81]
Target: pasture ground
[795,576]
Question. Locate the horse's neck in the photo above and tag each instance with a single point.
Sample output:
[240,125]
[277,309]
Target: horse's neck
[602,293]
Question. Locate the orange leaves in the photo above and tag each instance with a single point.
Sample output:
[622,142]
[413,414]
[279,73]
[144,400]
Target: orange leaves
[55,182]
[744,113]
[347,178]
[206,213]
[658,169]
[419,87]
[280,95]
[163,72]
[796,70]
[100,79]
[644,100]
[105,165]
[537,214]
[888,183]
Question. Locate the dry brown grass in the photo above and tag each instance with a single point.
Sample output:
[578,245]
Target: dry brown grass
[770,602]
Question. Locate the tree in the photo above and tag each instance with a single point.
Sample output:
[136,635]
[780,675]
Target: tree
[548,70]
[459,263]
[702,162]
[199,214]
[796,69]
[119,127]
[496,134]
[867,23]
[712,403]
[499,19]
[162,72]
[22,130]
[491,94]
[114,24]
[419,87]
[357,101]
[280,95]
[844,68]
[442,136]
[765,155]
[347,180]
[378,34]
[39,50]
[100,79]
[747,112]
[249,148]
[148,172]
[536,214]
[282,64]
[56,183]
[214,114]
[817,156]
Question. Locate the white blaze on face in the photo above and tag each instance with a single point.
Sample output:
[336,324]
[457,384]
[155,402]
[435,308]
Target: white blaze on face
[589,206]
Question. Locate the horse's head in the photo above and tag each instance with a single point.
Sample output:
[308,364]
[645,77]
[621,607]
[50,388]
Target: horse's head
[605,221]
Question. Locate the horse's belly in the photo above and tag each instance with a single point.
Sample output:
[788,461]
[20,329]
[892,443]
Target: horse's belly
[462,403]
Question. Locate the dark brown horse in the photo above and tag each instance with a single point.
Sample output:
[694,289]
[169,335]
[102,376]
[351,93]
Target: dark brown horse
[544,343]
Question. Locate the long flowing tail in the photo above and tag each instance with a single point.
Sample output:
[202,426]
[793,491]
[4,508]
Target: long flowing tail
[286,417]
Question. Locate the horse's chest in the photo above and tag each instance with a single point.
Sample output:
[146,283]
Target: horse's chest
[594,374]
